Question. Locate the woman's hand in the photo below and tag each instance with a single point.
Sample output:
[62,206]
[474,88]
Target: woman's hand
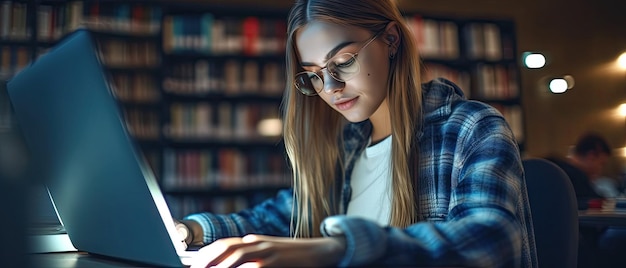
[260,250]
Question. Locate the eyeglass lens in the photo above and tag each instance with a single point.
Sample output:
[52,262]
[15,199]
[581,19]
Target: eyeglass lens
[342,67]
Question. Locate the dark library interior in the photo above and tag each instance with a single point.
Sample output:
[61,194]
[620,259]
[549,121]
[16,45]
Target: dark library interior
[200,83]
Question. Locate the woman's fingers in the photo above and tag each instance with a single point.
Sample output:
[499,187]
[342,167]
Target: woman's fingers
[215,252]
[250,255]
[259,250]
[230,252]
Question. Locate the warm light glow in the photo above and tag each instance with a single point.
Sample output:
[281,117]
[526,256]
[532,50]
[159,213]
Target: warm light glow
[270,127]
[558,85]
[250,265]
[621,110]
[561,84]
[570,81]
[534,60]
[621,61]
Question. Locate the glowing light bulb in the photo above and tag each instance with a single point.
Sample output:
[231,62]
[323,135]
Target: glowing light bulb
[622,109]
[534,60]
[558,85]
[621,61]
[270,127]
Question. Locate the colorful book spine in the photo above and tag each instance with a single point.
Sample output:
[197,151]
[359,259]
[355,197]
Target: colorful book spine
[224,168]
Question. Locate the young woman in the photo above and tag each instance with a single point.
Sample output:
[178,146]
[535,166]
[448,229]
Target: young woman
[387,171]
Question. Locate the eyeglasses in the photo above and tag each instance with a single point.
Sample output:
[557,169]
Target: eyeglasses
[342,67]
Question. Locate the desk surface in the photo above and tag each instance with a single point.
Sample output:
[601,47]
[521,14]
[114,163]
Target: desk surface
[74,260]
[601,218]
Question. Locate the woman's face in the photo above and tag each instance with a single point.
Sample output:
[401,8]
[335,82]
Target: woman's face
[359,97]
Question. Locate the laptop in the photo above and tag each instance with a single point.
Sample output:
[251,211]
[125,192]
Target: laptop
[105,194]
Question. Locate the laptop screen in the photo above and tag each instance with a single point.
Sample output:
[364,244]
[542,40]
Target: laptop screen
[105,193]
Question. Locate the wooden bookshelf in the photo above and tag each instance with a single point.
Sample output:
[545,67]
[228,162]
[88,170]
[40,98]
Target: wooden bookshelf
[127,34]
[222,78]
[16,30]
[477,54]
[197,81]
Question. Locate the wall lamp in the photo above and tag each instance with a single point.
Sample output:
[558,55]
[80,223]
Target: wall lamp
[533,60]
[560,85]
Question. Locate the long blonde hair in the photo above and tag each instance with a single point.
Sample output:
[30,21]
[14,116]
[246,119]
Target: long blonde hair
[313,130]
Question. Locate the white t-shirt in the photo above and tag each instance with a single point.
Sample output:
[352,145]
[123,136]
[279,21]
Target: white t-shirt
[371,184]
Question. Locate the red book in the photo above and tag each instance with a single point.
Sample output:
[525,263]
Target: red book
[94,12]
[281,36]
[251,28]
[138,21]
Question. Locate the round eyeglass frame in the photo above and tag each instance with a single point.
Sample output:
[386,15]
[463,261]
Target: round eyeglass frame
[303,78]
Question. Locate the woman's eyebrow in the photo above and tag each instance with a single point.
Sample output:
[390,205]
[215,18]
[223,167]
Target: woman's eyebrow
[331,53]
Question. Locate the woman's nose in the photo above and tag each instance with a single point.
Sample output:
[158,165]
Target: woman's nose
[331,84]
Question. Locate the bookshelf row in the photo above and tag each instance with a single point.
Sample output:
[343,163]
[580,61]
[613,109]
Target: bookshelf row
[210,79]
[230,77]
[484,41]
[223,168]
[135,87]
[224,120]
[14,22]
[220,202]
[181,206]
[143,19]
[56,18]
[459,76]
[435,39]
[491,83]
[118,53]
[207,34]
[142,124]
[496,82]
[12,59]
[460,39]
[251,35]
[52,20]
[200,121]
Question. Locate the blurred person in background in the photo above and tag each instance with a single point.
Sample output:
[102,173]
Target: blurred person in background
[585,163]
[598,247]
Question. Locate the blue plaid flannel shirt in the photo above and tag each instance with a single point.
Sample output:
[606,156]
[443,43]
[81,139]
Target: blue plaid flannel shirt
[472,193]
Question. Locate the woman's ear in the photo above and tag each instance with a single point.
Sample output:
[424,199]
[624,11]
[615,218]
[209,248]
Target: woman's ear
[392,37]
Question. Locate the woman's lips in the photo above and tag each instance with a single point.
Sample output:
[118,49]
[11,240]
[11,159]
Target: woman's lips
[345,104]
